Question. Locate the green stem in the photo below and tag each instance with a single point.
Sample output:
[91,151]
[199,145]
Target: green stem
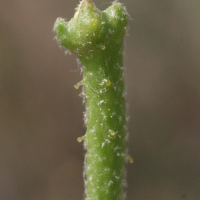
[97,39]
[105,136]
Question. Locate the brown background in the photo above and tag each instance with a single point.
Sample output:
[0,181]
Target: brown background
[41,112]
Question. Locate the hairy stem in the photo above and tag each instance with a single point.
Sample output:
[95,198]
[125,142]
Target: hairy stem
[97,39]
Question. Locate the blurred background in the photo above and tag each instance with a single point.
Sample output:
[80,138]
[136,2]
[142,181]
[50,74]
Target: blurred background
[41,114]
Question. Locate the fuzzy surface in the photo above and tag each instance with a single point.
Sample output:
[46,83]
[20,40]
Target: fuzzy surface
[97,39]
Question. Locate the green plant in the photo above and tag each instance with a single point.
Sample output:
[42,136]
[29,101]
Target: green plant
[97,38]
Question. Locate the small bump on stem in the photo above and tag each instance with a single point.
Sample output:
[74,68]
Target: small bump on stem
[107,82]
[80,139]
[129,158]
[78,84]
[111,132]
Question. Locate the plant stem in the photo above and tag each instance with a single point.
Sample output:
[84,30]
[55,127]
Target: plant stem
[97,39]
[105,136]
